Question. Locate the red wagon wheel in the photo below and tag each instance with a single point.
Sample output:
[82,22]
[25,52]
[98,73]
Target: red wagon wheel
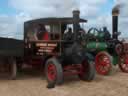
[123,63]
[103,63]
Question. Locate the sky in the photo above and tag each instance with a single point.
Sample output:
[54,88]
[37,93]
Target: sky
[13,13]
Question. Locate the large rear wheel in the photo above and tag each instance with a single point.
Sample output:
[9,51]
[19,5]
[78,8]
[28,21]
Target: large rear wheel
[103,63]
[54,71]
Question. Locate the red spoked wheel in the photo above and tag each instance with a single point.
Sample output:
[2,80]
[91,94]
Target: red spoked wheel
[54,71]
[119,49]
[123,63]
[87,71]
[103,63]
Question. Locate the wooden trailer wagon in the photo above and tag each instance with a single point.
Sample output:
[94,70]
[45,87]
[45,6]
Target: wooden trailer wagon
[10,52]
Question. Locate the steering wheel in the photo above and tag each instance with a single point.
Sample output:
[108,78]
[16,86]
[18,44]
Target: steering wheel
[93,31]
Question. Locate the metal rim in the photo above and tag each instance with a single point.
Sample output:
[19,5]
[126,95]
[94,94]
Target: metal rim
[51,72]
[84,68]
[102,63]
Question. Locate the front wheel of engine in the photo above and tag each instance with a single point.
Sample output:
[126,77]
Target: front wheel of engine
[103,63]
[54,71]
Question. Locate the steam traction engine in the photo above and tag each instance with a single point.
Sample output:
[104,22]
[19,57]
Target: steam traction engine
[106,48]
[60,56]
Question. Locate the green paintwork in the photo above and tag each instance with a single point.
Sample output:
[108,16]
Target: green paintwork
[100,35]
[115,59]
[99,46]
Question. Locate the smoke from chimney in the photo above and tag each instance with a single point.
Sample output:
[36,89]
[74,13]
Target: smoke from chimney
[116,10]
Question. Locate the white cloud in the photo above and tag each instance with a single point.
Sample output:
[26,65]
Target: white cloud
[89,11]
[94,2]
[12,26]
[6,25]
[43,8]
[29,9]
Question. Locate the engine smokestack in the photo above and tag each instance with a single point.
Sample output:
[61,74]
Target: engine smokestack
[115,14]
[76,17]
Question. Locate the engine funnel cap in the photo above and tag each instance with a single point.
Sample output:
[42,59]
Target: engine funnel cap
[116,11]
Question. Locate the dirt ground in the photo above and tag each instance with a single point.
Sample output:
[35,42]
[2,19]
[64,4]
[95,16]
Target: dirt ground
[32,84]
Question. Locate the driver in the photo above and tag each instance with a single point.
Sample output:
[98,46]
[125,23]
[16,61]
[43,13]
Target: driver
[42,33]
[107,35]
[81,33]
[68,34]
